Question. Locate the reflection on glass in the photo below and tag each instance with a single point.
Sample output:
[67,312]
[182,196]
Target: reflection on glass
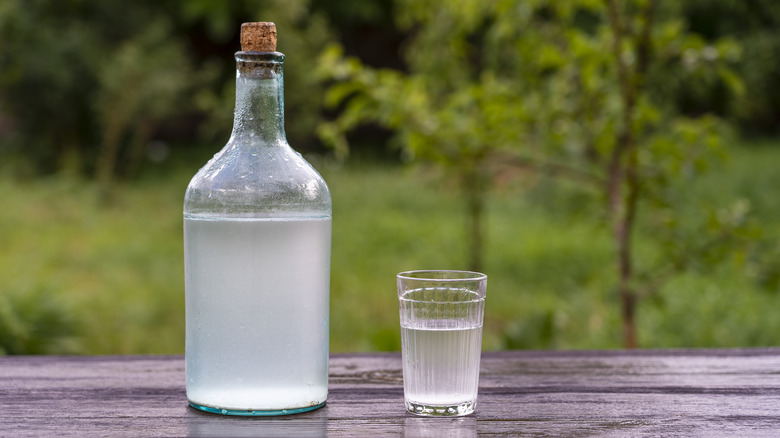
[421,427]
[209,425]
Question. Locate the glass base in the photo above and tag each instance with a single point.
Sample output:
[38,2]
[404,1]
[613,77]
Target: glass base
[255,413]
[441,411]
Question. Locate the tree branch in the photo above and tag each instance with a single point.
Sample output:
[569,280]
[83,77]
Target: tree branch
[556,169]
[660,277]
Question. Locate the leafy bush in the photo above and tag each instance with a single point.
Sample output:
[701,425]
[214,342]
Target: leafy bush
[37,322]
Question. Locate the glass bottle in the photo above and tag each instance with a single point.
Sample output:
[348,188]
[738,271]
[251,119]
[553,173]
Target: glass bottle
[257,235]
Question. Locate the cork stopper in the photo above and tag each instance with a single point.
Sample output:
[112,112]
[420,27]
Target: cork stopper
[258,37]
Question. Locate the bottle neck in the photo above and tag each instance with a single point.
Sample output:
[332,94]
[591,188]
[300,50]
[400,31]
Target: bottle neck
[259,114]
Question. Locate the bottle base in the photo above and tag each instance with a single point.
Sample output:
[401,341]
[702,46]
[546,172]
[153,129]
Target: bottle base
[254,413]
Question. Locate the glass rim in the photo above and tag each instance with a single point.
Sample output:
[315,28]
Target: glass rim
[479,299]
[444,275]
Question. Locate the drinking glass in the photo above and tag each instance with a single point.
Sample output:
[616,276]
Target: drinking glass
[441,340]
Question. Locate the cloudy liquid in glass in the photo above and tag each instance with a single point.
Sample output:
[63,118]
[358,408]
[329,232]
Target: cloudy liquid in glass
[441,365]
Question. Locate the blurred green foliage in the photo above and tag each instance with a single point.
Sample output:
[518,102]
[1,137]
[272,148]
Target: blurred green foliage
[164,69]
[86,85]
[756,107]
[36,322]
[79,277]
[563,88]
[136,95]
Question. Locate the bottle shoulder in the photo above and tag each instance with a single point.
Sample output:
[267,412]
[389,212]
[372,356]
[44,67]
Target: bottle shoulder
[258,180]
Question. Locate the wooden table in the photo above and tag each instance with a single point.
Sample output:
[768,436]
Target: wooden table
[522,393]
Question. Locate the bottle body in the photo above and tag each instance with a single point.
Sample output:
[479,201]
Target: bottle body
[257,236]
[257,306]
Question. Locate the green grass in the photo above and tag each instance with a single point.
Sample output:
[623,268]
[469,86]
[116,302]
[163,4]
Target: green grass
[81,277]
[114,272]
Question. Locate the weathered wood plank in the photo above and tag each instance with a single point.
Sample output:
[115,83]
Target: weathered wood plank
[605,393]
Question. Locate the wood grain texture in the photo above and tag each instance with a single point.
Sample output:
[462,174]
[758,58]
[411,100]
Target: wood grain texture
[522,393]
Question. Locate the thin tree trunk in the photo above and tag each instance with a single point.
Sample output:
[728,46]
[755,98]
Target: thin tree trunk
[475,184]
[140,142]
[476,209]
[623,169]
[625,227]
[107,157]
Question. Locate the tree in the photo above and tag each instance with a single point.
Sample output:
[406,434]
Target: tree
[566,88]
[85,85]
[754,23]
